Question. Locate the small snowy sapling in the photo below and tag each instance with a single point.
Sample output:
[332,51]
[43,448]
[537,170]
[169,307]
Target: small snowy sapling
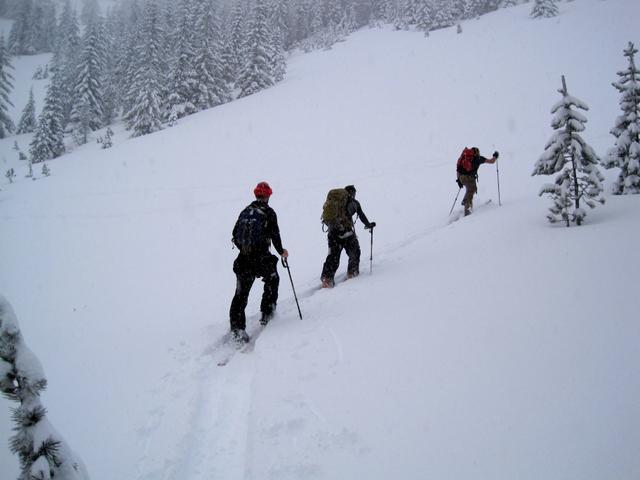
[544,9]
[106,141]
[573,159]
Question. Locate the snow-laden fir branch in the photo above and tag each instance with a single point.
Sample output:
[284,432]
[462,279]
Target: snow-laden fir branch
[42,451]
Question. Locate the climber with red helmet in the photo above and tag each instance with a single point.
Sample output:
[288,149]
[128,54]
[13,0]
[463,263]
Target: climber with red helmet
[254,232]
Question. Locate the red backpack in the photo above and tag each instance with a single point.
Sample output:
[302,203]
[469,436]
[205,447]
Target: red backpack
[465,162]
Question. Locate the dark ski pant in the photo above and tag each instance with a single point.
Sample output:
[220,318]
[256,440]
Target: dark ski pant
[247,268]
[351,245]
[469,182]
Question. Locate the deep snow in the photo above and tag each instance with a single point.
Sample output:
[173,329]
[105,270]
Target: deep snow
[497,346]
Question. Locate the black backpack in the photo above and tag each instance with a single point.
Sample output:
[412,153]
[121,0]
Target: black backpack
[250,230]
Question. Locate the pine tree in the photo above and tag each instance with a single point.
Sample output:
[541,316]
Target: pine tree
[183,96]
[113,34]
[212,89]
[258,70]
[444,15]
[126,63]
[42,26]
[21,40]
[424,17]
[544,9]
[87,111]
[573,159]
[48,35]
[48,140]
[145,115]
[234,40]
[43,453]
[625,154]
[6,124]
[65,60]
[28,122]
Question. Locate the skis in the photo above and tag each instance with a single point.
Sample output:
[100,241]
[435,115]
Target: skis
[340,279]
[460,214]
[229,347]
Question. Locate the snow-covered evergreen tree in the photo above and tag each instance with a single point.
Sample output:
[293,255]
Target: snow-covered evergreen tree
[145,115]
[21,34]
[183,86]
[87,110]
[575,162]
[28,122]
[47,37]
[625,154]
[6,124]
[43,453]
[113,33]
[233,53]
[212,88]
[65,60]
[262,57]
[425,16]
[131,21]
[48,140]
[444,14]
[544,9]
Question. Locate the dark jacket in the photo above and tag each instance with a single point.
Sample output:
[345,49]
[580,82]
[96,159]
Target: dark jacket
[272,231]
[476,162]
[353,208]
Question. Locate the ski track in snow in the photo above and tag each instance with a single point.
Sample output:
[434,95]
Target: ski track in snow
[221,396]
[209,404]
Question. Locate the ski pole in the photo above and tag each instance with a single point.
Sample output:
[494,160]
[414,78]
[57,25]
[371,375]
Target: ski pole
[285,263]
[371,254]
[498,177]
[454,202]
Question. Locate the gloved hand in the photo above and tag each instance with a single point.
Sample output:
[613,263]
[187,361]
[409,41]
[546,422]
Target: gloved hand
[459,183]
[495,154]
[370,226]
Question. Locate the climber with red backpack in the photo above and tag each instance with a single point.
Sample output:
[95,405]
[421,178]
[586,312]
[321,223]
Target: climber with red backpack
[254,232]
[467,174]
[337,215]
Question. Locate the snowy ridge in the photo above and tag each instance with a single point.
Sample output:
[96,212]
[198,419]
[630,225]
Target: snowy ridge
[497,346]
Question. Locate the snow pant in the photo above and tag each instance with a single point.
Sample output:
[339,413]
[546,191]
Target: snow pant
[247,268]
[469,183]
[351,245]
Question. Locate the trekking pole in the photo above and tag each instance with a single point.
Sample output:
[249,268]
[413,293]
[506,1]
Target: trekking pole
[371,254]
[454,202]
[498,177]
[285,263]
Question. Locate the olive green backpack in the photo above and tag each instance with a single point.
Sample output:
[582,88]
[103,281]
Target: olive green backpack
[334,210]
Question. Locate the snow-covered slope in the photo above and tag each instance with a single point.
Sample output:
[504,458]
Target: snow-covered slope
[497,346]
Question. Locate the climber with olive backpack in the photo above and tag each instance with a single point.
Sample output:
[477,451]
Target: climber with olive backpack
[337,216]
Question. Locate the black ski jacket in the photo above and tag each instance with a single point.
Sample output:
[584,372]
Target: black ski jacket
[353,207]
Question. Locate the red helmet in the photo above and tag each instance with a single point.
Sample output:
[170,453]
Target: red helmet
[262,190]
